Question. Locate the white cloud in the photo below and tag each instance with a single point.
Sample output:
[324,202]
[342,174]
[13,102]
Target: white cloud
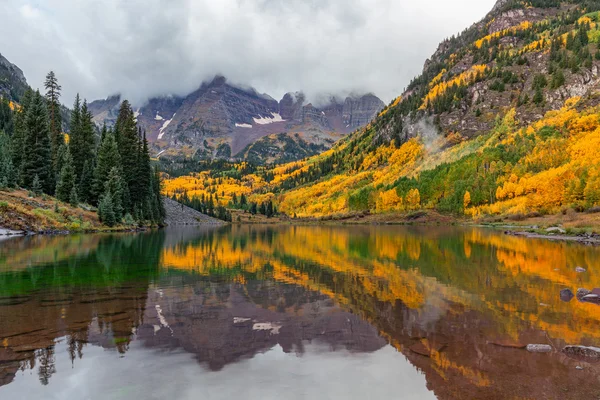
[145,48]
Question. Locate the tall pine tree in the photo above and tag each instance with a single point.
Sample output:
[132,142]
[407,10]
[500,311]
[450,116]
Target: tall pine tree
[113,189]
[66,179]
[55,121]
[108,157]
[20,132]
[37,158]
[127,138]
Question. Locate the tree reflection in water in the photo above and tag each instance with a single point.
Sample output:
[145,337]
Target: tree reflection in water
[458,303]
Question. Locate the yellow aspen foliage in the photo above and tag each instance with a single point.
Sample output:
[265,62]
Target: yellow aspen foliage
[467,199]
[413,199]
[389,201]
[464,78]
[505,32]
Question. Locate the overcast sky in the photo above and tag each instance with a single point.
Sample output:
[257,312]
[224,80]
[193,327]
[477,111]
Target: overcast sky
[144,48]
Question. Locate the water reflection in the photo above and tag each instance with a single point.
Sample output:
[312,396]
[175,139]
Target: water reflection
[459,304]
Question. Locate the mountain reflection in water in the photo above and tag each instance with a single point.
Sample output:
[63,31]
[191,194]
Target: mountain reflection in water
[298,311]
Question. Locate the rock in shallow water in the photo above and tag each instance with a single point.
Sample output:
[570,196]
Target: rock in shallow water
[582,351]
[566,295]
[539,348]
[581,293]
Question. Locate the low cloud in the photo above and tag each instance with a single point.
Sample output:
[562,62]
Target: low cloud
[153,47]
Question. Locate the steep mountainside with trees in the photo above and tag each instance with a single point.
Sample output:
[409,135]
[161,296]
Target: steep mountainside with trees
[504,120]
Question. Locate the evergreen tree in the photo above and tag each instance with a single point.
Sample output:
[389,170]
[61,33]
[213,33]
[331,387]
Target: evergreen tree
[144,171]
[62,153]
[158,201]
[7,171]
[18,138]
[73,199]
[538,98]
[558,79]
[86,182]
[67,178]
[82,136]
[86,130]
[113,189]
[75,136]
[6,117]
[36,185]
[108,157]
[37,158]
[55,121]
[127,138]
[105,211]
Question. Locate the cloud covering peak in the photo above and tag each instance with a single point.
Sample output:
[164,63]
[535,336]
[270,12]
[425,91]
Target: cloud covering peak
[145,48]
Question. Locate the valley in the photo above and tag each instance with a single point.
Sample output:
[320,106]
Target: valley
[502,125]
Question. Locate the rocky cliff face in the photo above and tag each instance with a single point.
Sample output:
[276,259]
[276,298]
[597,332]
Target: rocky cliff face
[12,80]
[493,66]
[220,120]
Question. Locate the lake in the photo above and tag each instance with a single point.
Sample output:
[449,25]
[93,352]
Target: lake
[296,312]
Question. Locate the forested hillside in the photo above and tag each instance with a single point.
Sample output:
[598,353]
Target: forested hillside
[110,172]
[503,121]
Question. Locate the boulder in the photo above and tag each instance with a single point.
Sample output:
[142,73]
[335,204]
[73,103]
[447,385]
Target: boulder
[539,348]
[556,229]
[582,351]
[582,292]
[566,295]
[591,298]
[580,269]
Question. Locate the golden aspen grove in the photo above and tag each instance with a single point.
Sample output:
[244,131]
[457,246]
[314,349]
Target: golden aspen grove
[480,133]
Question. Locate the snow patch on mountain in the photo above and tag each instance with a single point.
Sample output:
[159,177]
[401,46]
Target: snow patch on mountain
[243,125]
[161,132]
[275,117]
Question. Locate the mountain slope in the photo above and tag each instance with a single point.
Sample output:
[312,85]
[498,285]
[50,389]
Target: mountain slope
[12,80]
[502,121]
[220,120]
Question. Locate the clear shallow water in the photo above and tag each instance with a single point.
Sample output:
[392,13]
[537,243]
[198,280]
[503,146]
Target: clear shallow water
[295,312]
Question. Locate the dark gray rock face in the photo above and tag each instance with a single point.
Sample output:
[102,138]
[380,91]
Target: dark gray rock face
[359,111]
[178,214]
[12,80]
[290,106]
[219,119]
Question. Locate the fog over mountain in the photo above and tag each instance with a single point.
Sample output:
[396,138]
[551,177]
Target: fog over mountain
[154,47]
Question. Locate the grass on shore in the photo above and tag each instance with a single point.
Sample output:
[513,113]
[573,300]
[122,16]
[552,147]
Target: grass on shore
[20,211]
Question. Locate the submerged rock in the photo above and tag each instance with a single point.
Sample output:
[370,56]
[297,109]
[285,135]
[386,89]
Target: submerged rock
[539,348]
[582,351]
[566,295]
[581,293]
[591,298]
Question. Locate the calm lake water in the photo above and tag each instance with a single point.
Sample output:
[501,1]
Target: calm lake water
[256,312]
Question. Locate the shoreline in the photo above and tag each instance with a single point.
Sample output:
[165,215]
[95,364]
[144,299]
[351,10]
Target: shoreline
[419,218]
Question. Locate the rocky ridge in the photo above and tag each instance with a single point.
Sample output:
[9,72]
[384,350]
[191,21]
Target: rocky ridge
[220,120]
[507,43]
